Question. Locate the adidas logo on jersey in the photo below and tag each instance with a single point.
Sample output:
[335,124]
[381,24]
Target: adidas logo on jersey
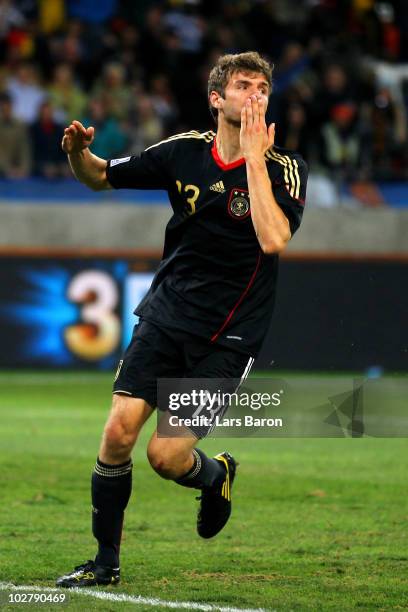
[219,187]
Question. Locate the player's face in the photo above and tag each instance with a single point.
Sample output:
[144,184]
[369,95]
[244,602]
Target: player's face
[240,87]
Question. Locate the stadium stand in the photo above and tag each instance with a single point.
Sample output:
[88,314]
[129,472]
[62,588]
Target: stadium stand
[138,71]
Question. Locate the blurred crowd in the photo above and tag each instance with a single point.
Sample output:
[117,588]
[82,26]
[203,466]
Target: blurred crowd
[138,72]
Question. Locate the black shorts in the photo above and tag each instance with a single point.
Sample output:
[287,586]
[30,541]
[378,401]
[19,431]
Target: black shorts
[162,353]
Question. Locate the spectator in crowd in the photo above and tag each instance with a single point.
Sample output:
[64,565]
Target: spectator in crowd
[26,93]
[389,135]
[148,127]
[128,52]
[163,102]
[151,43]
[335,89]
[225,39]
[294,132]
[343,147]
[15,153]
[46,135]
[113,90]
[389,117]
[69,46]
[10,17]
[187,24]
[293,63]
[51,15]
[111,139]
[184,36]
[66,97]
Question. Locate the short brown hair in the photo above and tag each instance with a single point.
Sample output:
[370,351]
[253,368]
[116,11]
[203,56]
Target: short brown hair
[238,62]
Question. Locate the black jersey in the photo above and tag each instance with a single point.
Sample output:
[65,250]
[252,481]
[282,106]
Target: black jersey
[213,280]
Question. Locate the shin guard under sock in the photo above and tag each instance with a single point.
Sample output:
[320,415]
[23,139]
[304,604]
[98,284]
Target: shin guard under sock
[111,489]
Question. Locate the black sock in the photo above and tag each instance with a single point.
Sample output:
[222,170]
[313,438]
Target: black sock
[205,472]
[111,488]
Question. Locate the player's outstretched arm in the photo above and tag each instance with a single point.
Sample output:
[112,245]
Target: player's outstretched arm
[86,167]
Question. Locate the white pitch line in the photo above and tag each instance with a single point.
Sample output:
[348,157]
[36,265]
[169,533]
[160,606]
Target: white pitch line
[137,600]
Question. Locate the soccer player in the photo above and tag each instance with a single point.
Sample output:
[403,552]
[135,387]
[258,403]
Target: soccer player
[237,199]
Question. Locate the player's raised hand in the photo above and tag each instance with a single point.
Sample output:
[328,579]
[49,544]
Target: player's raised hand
[255,136]
[77,137]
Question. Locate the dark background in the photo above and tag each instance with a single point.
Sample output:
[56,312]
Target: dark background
[346,315]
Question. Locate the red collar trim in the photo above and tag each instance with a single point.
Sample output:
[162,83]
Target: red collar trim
[219,161]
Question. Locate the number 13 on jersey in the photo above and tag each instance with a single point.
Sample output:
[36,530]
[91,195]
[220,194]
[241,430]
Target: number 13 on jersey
[192,192]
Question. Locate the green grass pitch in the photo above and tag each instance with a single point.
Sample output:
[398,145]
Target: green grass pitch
[317,524]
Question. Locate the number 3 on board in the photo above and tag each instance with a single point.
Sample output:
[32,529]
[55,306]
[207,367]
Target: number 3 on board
[97,335]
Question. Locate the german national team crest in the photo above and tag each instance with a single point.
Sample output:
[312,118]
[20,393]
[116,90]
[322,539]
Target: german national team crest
[238,203]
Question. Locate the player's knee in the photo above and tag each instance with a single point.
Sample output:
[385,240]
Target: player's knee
[116,439]
[162,460]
